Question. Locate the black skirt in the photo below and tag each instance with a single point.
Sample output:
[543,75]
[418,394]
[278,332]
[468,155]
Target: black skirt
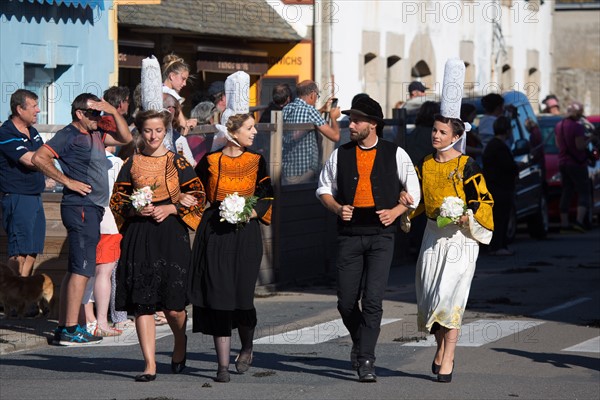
[225,265]
[153,271]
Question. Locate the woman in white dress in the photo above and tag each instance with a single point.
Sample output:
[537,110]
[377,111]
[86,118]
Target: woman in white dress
[448,255]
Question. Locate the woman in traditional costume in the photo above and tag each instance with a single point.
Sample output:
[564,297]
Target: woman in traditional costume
[155,250]
[226,257]
[448,254]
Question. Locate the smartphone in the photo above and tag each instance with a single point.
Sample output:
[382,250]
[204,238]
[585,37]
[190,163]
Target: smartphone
[334,103]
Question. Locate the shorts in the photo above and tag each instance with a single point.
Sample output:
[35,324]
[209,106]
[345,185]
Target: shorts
[83,234]
[109,248]
[24,221]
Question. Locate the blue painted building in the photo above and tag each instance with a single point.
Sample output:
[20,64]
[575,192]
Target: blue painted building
[57,49]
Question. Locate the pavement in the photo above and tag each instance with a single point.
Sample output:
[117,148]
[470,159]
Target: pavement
[31,333]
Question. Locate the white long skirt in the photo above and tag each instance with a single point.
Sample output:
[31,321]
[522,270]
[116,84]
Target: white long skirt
[444,273]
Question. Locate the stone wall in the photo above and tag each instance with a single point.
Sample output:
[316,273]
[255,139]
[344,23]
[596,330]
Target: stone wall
[576,58]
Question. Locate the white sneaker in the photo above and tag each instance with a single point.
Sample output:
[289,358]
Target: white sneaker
[90,327]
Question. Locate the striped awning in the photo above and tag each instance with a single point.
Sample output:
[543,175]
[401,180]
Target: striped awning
[76,3]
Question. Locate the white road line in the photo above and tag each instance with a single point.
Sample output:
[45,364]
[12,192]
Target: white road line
[292,334]
[485,331]
[589,346]
[129,336]
[562,306]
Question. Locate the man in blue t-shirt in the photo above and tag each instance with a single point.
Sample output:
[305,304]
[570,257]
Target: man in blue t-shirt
[79,149]
[21,184]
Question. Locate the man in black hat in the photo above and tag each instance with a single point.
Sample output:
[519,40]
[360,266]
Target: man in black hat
[216,92]
[361,183]
[416,89]
[416,97]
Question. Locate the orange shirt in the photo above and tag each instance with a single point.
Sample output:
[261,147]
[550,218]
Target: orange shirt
[364,194]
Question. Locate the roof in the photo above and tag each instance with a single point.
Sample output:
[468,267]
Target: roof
[253,19]
[82,3]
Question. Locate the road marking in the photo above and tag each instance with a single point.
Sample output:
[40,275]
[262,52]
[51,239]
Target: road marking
[129,336]
[562,306]
[293,334]
[485,331]
[589,346]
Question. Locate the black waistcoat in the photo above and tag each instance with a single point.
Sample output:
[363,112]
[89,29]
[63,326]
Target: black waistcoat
[385,187]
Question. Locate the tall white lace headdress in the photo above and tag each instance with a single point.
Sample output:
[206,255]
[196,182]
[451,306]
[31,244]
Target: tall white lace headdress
[452,94]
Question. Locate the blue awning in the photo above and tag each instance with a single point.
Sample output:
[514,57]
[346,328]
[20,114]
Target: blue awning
[76,3]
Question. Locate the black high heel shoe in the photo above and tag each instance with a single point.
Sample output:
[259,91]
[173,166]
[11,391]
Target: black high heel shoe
[445,378]
[145,377]
[178,367]
[435,368]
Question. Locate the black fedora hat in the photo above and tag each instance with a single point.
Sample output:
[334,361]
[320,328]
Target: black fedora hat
[368,108]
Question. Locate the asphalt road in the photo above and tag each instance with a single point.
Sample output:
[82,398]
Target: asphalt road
[531,331]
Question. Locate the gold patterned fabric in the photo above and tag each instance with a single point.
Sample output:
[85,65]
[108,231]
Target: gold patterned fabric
[460,177]
[169,176]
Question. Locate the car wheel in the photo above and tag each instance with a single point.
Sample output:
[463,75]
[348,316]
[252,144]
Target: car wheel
[511,229]
[538,224]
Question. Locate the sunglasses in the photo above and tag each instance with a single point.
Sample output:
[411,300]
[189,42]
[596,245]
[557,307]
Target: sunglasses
[91,113]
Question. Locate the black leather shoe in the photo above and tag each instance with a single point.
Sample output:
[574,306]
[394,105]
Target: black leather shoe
[145,377]
[366,371]
[178,367]
[445,378]
[354,357]
[435,369]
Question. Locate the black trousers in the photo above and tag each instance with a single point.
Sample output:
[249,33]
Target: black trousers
[363,266]
[503,200]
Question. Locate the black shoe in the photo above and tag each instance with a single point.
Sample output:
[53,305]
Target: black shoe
[223,375]
[366,372]
[178,367]
[145,377]
[435,369]
[243,362]
[445,378]
[354,357]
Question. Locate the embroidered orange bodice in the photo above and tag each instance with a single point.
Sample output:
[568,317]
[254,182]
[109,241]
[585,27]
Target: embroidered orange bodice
[231,174]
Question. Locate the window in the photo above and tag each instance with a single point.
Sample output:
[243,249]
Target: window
[42,81]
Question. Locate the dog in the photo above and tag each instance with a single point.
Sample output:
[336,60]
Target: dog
[20,292]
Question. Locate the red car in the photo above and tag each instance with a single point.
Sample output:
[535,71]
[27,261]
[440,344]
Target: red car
[553,177]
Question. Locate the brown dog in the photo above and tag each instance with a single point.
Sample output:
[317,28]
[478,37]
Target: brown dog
[18,292]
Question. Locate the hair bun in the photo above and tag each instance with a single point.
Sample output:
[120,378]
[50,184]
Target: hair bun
[171,58]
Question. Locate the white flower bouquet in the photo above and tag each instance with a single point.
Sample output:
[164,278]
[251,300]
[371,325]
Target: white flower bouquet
[451,210]
[237,209]
[142,197]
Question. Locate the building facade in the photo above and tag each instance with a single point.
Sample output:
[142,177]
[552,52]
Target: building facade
[57,49]
[379,47]
[576,53]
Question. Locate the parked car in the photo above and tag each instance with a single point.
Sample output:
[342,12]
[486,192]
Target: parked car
[547,123]
[530,204]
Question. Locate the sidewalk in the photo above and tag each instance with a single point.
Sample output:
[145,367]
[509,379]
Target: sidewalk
[24,334]
[30,333]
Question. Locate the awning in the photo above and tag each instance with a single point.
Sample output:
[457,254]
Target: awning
[76,3]
[224,60]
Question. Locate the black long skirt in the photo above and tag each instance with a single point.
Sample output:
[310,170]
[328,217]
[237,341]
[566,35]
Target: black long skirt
[225,265]
[153,271]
